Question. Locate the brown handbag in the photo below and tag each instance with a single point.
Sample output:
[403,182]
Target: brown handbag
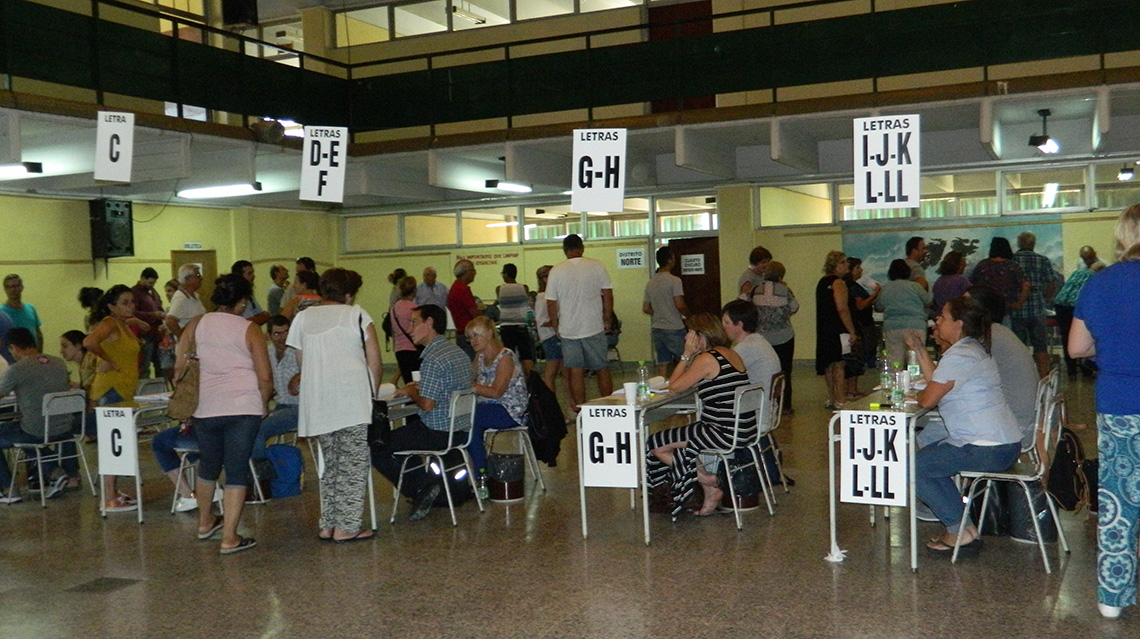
[184,399]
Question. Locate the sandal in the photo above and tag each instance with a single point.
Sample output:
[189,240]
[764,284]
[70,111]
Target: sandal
[217,525]
[363,535]
[245,544]
[119,505]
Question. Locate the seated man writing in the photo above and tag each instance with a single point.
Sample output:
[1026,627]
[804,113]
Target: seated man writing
[444,368]
[31,377]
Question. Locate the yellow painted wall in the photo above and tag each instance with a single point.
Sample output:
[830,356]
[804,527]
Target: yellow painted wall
[47,242]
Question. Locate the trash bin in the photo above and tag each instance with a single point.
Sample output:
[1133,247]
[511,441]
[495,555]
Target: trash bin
[505,475]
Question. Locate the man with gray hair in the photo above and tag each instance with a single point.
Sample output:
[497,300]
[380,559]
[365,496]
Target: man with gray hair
[431,291]
[184,304]
[1028,322]
[461,303]
[280,276]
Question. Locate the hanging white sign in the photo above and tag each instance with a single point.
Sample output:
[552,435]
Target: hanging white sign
[599,171]
[114,146]
[887,162]
[609,446]
[324,159]
[874,458]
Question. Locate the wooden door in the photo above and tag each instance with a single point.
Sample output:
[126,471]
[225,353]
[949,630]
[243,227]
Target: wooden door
[700,273]
[207,261]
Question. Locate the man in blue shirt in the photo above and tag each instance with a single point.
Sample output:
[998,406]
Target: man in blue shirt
[444,369]
[1028,321]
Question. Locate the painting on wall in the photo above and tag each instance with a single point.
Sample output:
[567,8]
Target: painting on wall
[878,249]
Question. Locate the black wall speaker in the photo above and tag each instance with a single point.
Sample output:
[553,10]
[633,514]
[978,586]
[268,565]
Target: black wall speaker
[239,13]
[112,229]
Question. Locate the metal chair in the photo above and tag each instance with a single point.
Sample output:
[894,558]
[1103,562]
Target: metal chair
[1048,432]
[526,449]
[775,415]
[748,400]
[188,474]
[462,412]
[154,421]
[72,402]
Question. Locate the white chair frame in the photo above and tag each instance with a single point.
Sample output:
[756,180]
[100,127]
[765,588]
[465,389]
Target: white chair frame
[462,412]
[775,415]
[747,399]
[1048,433]
[69,402]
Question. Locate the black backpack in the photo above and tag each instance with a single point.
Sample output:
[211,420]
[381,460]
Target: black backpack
[544,420]
[1067,482]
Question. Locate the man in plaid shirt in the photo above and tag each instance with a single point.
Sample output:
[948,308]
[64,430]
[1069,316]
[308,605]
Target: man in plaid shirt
[1029,320]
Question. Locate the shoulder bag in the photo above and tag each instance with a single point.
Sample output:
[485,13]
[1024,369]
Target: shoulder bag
[184,399]
[379,428]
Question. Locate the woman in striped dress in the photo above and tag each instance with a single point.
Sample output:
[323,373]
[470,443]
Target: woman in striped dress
[709,363]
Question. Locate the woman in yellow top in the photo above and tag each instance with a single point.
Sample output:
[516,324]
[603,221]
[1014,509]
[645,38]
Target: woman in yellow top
[117,373]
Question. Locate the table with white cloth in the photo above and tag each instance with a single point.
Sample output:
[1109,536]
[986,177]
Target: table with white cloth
[594,450]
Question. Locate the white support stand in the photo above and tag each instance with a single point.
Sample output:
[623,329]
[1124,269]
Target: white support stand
[119,448]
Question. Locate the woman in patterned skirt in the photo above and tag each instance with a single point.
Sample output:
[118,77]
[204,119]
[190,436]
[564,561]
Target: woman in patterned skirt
[710,364]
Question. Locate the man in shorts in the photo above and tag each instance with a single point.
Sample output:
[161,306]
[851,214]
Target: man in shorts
[665,301]
[580,299]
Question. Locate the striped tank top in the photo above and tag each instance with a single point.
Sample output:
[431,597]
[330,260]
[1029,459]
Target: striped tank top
[717,395]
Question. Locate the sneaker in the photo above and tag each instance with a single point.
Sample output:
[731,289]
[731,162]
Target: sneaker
[922,512]
[1109,612]
[186,504]
[56,487]
[424,501]
[14,499]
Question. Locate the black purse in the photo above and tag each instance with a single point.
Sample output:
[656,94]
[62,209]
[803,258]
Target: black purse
[380,427]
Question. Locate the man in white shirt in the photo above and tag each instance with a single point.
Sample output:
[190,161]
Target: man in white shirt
[580,299]
[184,305]
[665,301]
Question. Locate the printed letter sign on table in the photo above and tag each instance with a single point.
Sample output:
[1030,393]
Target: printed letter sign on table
[599,171]
[610,439]
[114,146]
[887,162]
[118,445]
[323,162]
[873,462]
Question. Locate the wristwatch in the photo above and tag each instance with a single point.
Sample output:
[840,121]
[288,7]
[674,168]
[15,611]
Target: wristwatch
[686,358]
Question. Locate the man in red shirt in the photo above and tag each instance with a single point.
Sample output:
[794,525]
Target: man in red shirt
[462,303]
[148,308]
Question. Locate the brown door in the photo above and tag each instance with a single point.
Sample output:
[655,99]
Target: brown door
[698,266]
[207,261]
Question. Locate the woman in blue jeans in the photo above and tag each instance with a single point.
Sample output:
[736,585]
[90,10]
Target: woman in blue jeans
[982,433]
[500,389]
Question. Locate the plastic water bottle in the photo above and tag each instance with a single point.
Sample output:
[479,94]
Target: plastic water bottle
[642,382]
[886,375]
[483,492]
[898,388]
[912,364]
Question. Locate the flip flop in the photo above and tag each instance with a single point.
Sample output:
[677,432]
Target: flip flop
[363,535]
[245,544]
[938,548]
[203,536]
[321,537]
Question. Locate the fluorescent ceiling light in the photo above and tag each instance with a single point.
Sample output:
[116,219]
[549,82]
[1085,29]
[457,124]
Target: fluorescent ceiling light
[1125,174]
[20,169]
[513,187]
[494,225]
[228,190]
[473,18]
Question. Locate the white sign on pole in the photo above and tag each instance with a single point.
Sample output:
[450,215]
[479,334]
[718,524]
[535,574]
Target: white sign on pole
[118,444]
[631,258]
[693,264]
[599,171]
[324,158]
[873,458]
[114,146]
[610,437]
[887,162]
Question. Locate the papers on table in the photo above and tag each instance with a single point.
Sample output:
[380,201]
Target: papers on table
[156,398]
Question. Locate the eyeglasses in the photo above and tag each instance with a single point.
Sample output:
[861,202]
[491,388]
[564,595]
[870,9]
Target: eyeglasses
[282,331]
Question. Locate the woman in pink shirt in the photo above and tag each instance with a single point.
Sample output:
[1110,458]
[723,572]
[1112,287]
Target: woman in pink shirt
[235,382]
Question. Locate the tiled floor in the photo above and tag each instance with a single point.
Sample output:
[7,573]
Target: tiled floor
[524,570]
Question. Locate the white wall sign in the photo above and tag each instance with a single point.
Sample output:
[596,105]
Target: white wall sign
[609,434]
[693,264]
[191,246]
[874,458]
[114,146]
[599,171]
[118,445]
[887,162]
[631,258]
[324,158]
